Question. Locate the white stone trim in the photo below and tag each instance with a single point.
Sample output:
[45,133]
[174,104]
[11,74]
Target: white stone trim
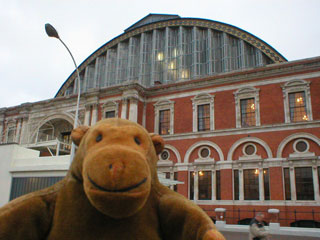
[297,154]
[245,93]
[174,150]
[201,143]
[165,150]
[295,145]
[124,108]
[251,130]
[201,99]
[133,110]
[263,82]
[296,85]
[252,156]
[249,139]
[65,116]
[315,183]
[163,105]
[110,106]
[294,136]
[199,152]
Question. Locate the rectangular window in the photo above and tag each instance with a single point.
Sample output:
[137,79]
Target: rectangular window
[204,184]
[297,107]
[167,175]
[175,177]
[236,184]
[191,185]
[251,184]
[287,187]
[266,184]
[110,114]
[218,185]
[248,112]
[164,122]
[24,185]
[304,183]
[204,117]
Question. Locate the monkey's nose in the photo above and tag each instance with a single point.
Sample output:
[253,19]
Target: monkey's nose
[116,169]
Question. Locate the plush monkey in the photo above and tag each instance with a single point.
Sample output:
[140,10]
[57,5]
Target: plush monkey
[111,192]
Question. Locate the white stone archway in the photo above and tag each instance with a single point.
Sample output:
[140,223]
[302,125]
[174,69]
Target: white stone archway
[174,150]
[249,139]
[203,143]
[295,136]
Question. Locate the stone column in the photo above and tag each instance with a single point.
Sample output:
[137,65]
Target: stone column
[261,186]
[1,131]
[17,137]
[144,115]
[196,185]
[241,189]
[315,184]
[94,114]
[87,115]
[292,184]
[24,137]
[214,185]
[124,109]
[133,110]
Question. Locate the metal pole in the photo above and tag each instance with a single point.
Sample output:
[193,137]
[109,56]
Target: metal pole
[52,32]
[73,147]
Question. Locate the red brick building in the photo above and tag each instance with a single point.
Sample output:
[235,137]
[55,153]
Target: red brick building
[240,122]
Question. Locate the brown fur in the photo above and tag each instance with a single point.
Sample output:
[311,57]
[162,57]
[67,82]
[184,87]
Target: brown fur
[111,192]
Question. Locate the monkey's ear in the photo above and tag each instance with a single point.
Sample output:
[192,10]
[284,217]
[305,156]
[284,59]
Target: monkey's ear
[78,133]
[158,142]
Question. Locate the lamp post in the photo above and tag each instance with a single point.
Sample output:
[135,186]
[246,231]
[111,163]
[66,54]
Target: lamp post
[52,32]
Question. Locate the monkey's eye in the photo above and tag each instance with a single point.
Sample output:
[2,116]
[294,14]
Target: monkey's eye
[137,140]
[99,138]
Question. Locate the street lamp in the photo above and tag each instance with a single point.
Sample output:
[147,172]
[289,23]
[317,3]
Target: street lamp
[52,32]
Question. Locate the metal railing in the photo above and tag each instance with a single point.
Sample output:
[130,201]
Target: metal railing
[286,218]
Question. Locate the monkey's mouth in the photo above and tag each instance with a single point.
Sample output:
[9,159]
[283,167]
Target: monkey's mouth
[126,189]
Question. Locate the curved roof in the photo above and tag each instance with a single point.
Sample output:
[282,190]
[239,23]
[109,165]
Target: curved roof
[159,21]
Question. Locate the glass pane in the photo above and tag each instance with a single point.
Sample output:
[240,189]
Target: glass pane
[191,185]
[287,186]
[110,114]
[204,183]
[304,183]
[204,117]
[236,184]
[248,115]
[164,122]
[297,106]
[218,185]
[251,184]
[266,184]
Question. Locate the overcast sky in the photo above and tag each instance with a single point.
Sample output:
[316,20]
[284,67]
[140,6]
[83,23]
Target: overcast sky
[33,67]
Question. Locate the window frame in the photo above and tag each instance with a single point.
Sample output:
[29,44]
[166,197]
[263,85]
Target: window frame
[109,107]
[207,178]
[293,87]
[247,93]
[202,99]
[250,184]
[303,183]
[164,105]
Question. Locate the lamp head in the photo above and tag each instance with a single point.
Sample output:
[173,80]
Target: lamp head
[51,31]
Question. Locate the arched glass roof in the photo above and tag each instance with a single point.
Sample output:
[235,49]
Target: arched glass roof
[162,49]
